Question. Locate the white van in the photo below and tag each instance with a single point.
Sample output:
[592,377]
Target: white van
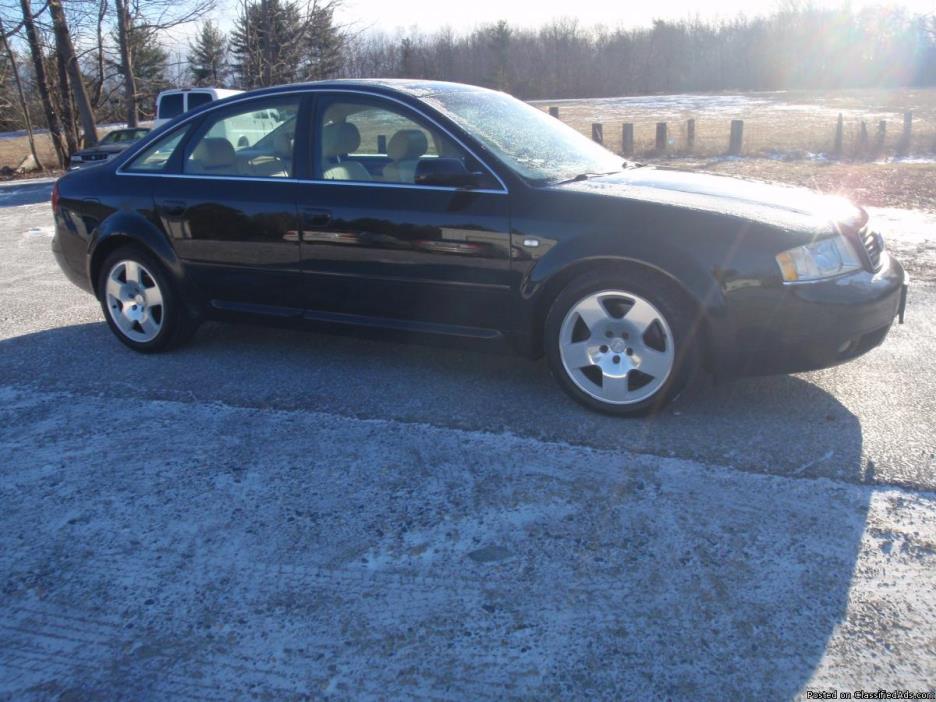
[172,103]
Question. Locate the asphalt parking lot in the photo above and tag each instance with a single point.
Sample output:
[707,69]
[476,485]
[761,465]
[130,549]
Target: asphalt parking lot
[283,515]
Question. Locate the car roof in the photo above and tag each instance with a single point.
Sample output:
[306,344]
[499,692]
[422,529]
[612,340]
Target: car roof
[406,86]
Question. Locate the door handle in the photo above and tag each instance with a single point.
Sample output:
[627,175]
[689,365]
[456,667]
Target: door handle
[173,208]
[315,218]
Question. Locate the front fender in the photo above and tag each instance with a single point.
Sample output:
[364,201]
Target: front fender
[706,255]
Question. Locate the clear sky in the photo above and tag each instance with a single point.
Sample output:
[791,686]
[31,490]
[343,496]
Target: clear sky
[463,15]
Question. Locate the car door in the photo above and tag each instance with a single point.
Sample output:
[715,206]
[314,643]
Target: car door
[400,222]
[231,211]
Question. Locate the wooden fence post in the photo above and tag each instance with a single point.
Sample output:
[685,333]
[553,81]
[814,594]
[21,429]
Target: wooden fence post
[690,134]
[661,137]
[627,139]
[381,143]
[904,147]
[839,135]
[881,136]
[554,112]
[597,132]
[736,140]
[863,139]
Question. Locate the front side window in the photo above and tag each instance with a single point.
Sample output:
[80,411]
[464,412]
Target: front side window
[155,159]
[248,141]
[370,140]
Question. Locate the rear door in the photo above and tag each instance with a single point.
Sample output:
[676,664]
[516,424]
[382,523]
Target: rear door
[231,210]
[379,240]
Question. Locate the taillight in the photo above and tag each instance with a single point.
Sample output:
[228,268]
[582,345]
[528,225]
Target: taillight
[55,197]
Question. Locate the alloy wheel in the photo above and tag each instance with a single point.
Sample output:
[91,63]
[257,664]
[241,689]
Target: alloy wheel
[616,347]
[134,301]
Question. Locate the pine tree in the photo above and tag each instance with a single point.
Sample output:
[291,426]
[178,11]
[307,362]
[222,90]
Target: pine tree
[207,59]
[149,61]
[7,96]
[281,41]
[499,43]
[269,43]
[325,44]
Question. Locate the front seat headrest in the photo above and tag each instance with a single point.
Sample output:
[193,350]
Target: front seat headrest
[214,153]
[407,145]
[339,139]
[283,144]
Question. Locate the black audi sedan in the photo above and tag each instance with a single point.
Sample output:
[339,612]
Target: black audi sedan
[436,211]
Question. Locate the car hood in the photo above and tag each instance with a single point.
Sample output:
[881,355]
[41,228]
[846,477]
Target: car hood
[777,205]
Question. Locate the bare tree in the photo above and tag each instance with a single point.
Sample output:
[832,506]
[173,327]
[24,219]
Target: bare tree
[126,61]
[143,20]
[11,57]
[42,81]
[66,51]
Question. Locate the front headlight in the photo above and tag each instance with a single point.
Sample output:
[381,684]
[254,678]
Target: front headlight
[821,259]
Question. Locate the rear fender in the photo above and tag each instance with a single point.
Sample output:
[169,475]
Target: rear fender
[124,228]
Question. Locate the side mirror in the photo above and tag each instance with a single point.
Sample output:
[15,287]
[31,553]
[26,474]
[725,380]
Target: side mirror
[448,173]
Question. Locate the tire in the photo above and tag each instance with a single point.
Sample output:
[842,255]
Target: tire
[623,343]
[140,301]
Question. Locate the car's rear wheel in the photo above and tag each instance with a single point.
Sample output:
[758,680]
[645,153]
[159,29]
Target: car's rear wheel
[621,344]
[140,303]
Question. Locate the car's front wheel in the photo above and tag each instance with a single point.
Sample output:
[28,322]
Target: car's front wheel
[621,344]
[140,302]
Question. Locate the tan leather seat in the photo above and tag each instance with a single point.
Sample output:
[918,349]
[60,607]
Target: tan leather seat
[405,149]
[279,163]
[339,140]
[213,156]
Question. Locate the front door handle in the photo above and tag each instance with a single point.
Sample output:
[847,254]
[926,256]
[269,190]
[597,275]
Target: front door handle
[312,217]
[173,208]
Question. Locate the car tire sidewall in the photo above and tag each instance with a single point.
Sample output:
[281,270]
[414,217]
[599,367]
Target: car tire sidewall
[173,327]
[666,298]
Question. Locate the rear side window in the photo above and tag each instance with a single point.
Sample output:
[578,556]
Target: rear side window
[251,141]
[156,158]
[198,99]
[170,106]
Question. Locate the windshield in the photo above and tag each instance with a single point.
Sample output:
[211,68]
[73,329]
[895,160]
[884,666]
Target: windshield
[537,146]
[124,136]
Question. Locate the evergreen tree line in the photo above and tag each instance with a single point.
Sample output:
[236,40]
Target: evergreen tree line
[791,49]
[276,42]
[67,66]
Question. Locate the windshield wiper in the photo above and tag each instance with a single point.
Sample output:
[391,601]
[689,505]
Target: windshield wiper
[583,176]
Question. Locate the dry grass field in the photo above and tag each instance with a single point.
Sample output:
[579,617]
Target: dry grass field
[788,137]
[13,149]
[787,123]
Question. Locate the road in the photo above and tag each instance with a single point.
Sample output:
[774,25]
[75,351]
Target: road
[284,515]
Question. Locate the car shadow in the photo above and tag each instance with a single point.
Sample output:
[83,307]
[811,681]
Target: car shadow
[752,593]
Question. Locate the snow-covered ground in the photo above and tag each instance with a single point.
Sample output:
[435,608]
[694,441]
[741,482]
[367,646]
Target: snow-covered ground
[262,515]
[172,550]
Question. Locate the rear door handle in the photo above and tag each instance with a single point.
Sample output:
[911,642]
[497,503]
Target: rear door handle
[173,208]
[312,217]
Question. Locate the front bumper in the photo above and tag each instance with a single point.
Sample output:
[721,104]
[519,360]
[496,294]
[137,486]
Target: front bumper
[810,326]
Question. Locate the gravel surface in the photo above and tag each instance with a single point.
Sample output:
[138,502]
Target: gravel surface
[282,515]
